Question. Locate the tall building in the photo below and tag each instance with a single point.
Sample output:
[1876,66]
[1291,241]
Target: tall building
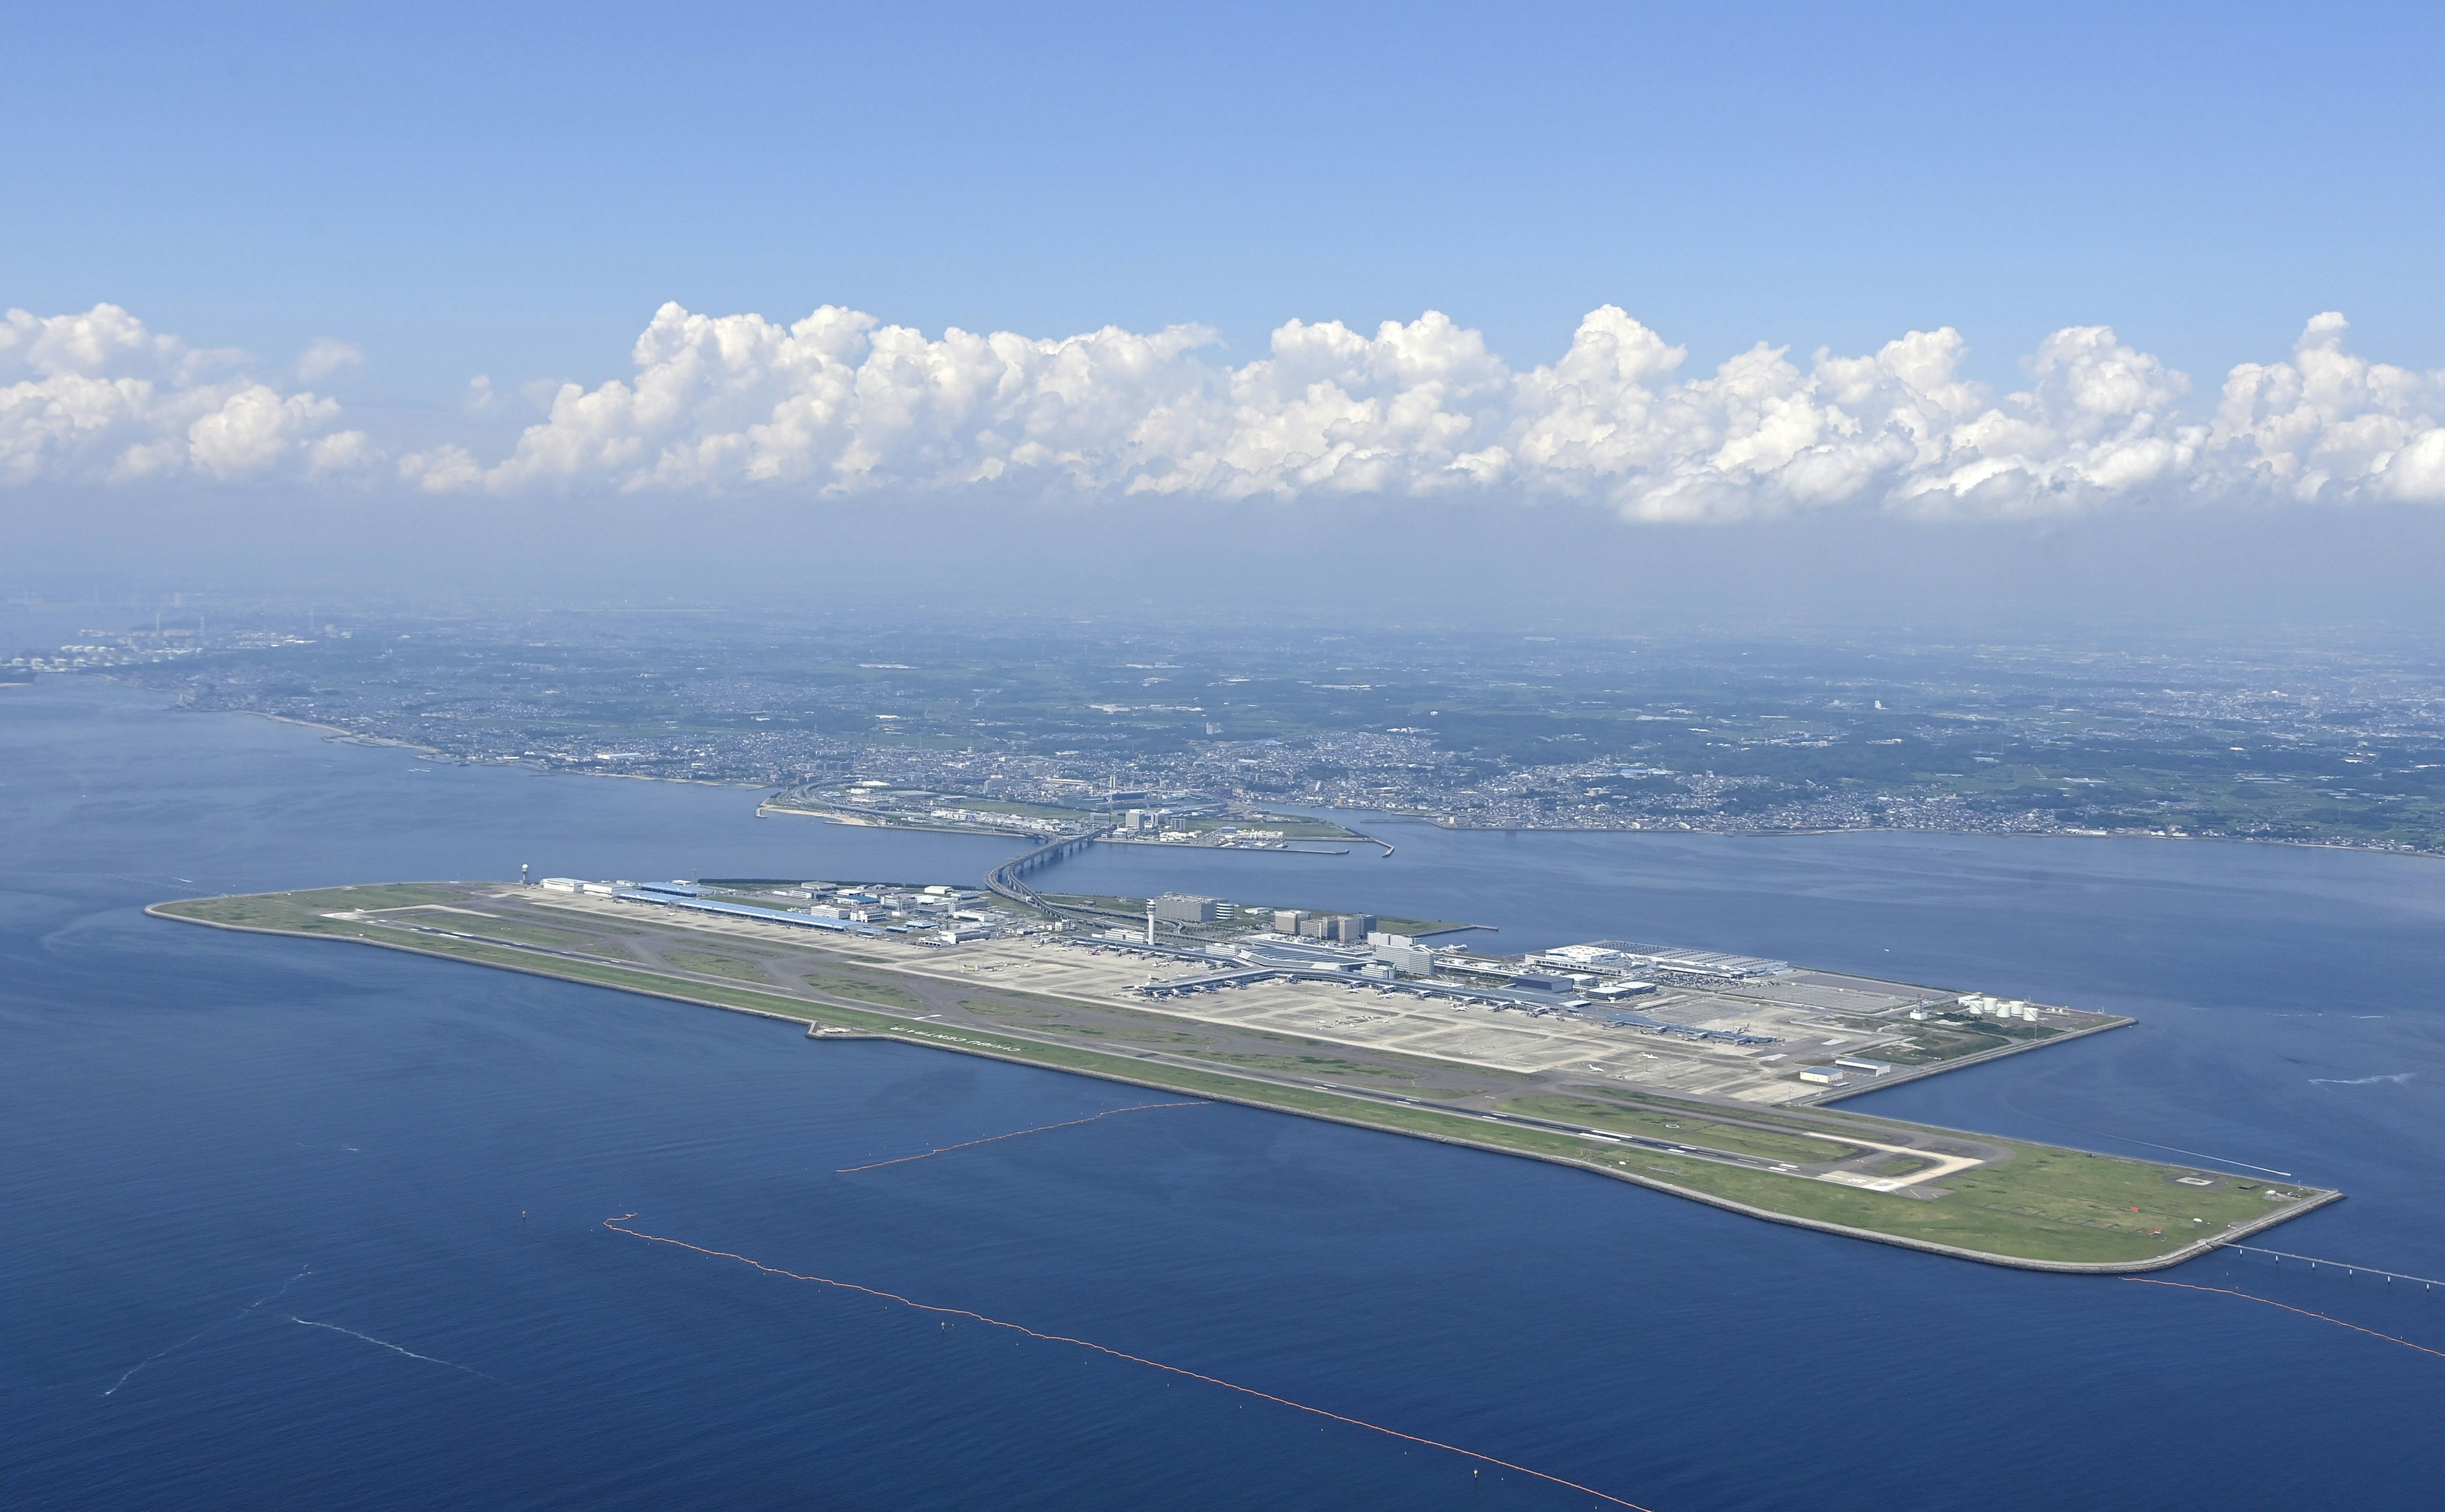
[1181,907]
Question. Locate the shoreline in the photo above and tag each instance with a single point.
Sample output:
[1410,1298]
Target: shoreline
[855,821]
[1386,816]
[1907,1074]
[880,1025]
[1967,834]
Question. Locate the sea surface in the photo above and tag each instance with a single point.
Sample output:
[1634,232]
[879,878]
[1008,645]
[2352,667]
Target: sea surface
[288,1223]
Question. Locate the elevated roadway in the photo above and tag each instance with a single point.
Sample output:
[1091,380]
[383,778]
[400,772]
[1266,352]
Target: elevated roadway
[1003,881]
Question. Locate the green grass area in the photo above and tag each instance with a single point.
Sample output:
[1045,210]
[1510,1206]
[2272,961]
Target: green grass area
[410,931]
[1893,1168]
[2070,1208]
[1316,1066]
[2045,1203]
[2072,1191]
[1815,1123]
[1930,1044]
[1394,1061]
[865,990]
[1941,1039]
[713,965]
[1684,1128]
[1015,1011]
[1394,925]
[1145,1030]
[1038,1000]
[303,910]
[517,930]
[1149,1038]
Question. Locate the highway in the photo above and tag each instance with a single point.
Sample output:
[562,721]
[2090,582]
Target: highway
[1004,880]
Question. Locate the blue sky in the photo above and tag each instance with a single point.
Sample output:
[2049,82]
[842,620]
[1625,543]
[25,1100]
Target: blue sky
[475,188]
[513,191]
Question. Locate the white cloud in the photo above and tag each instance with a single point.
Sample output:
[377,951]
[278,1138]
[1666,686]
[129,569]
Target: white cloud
[340,453]
[840,404]
[2328,424]
[254,428]
[448,469]
[327,356]
[97,397]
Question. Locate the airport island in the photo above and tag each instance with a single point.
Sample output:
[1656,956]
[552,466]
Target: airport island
[1702,1073]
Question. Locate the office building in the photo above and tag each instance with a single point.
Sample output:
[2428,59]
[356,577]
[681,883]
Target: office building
[1181,907]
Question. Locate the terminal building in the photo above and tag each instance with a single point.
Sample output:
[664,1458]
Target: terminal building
[1616,957]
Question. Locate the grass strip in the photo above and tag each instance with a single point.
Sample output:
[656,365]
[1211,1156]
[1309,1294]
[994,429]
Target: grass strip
[712,966]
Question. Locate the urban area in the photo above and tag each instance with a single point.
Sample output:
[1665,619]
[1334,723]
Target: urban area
[1043,726]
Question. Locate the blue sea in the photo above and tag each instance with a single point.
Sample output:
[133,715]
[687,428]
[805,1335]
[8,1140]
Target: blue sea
[287,1223]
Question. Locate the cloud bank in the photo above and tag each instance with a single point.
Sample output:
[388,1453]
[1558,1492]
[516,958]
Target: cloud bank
[841,405]
[97,398]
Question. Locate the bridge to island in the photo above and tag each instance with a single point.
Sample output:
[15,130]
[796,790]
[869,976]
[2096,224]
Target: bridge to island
[1004,880]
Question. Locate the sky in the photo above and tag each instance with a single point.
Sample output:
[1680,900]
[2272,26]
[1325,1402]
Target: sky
[1612,270]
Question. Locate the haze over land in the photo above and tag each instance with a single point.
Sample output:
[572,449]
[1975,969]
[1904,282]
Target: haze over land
[2332,739]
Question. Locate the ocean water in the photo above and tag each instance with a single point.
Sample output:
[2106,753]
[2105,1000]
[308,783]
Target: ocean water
[286,1224]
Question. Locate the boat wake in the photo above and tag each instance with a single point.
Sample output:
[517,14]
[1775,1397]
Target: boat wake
[396,1349]
[614,1225]
[173,1348]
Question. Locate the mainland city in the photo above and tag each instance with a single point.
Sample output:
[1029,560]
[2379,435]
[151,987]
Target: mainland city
[2334,741]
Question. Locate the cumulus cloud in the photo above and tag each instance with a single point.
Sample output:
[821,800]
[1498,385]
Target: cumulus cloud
[327,356]
[843,404]
[2328,424]
[97,397]
[340,452]
[447,469]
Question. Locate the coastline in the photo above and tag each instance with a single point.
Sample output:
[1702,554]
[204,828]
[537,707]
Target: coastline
[867,1023]
[1836,1095]
[1982,834]
[1386,816]
[857,821]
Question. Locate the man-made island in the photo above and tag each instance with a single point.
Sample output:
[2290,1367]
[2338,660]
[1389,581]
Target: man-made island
[1696,1073]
